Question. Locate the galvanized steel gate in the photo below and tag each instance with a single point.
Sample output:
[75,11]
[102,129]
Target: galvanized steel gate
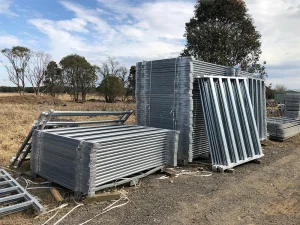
[13,197]
[292,105]
[281,128]
[230,121]
[257,92]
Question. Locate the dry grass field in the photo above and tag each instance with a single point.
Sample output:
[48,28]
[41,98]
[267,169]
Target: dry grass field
[17,114]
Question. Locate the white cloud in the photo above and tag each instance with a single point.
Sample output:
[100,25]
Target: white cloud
[154,29]
[88,15]
[75,25]
[5,8]
[130,33]
[278,23]
[72,25]
[62,42]
[8,41]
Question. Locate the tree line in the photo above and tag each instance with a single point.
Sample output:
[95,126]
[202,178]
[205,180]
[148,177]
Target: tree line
[73,74]
[271,91]
[220,32]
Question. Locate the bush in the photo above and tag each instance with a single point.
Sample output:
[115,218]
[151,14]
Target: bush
[111,87]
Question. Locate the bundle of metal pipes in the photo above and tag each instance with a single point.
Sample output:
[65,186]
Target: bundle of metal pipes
[88,159]
[292,105]
[168,96]
[281,128]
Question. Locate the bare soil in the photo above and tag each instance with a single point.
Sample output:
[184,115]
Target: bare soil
[266,193]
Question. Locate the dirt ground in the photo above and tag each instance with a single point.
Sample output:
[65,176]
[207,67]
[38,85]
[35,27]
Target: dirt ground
[266,193]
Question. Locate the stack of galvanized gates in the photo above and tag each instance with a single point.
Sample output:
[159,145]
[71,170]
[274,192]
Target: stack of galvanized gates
[292,105]
[219,111]
[162,95]
[91,158]
[281,128]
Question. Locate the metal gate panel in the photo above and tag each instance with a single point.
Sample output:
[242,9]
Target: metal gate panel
[230,122]
[258,98]
[13,197]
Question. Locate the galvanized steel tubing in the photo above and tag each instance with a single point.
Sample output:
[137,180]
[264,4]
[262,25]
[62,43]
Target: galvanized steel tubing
[258,98]
[13,197]
[230,122]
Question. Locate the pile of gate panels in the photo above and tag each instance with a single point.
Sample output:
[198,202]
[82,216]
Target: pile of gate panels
[281,128]
[162,96]
[292,105]
[168,96]
[88,159]
[13,197]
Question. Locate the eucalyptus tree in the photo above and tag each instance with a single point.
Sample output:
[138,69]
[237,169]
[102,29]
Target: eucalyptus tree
[53,78]
[36,69]
[79,75]
[16,64]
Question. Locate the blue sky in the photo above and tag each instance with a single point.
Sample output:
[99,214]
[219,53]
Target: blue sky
[138,30]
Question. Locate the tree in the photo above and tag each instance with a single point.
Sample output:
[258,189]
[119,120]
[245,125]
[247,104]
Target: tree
[53,78]
[111,86]
[270,92]
[112,67]
[79,75]
[257,68]
[36,69]
[222,32]
[131,81]
[279,88]
[18,58]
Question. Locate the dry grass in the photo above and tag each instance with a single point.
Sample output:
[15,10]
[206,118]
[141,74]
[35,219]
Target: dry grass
[17,114]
